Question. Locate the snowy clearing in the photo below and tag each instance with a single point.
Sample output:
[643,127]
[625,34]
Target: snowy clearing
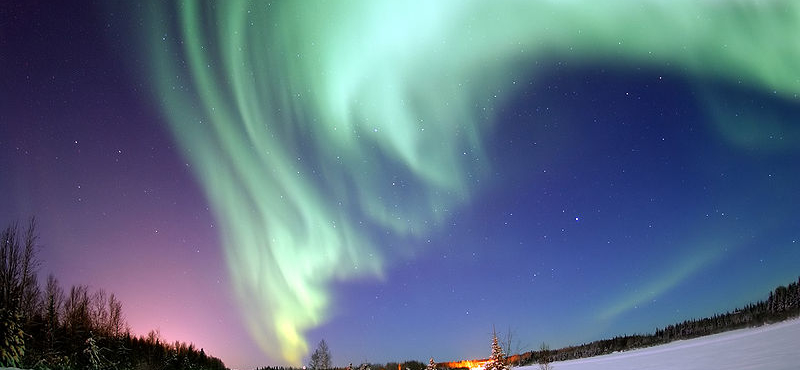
[774,347]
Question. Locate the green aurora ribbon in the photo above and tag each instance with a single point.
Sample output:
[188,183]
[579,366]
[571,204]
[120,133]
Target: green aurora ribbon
[311,123]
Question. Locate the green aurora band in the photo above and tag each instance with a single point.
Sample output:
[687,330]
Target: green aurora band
[310,124]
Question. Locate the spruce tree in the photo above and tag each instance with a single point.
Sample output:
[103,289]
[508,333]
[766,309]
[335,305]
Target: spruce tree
[431,365]
[498,359]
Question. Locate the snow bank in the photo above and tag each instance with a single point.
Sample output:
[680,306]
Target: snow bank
[773,347]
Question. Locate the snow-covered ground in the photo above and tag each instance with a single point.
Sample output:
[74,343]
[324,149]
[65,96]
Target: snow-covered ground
[770,347]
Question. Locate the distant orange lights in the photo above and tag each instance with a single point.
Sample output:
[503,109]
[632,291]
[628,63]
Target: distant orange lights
[471,364]
[475,364]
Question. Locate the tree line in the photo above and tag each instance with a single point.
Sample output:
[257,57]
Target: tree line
[45,327]
[411,365]
[783,303]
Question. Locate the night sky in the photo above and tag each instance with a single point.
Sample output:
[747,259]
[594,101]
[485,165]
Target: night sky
[398,178]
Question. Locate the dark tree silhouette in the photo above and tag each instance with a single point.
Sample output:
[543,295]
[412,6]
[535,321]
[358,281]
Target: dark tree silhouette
[782,303]
[81,330]
[321,358]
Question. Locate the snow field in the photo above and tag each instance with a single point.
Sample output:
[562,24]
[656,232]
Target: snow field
[769,347]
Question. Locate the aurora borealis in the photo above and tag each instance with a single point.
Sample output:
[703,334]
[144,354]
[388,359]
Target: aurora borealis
[359,158]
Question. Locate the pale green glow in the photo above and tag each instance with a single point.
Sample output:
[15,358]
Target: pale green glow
[703,254]
[310,122]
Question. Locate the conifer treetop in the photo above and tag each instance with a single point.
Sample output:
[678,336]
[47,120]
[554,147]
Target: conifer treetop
[498,359]
[431,365]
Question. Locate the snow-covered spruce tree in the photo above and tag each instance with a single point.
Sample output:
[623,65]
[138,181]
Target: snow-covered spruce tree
[498,359]
[18,291]
[431,365]
[12,346]
[321,358]
[92,352]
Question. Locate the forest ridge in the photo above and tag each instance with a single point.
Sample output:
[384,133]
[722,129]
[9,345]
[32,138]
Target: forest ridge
[46,327]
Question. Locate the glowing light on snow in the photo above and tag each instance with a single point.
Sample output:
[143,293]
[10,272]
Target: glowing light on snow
[471,364]
[300,117]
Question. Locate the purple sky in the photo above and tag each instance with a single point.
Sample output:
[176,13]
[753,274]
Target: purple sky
[612,207]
